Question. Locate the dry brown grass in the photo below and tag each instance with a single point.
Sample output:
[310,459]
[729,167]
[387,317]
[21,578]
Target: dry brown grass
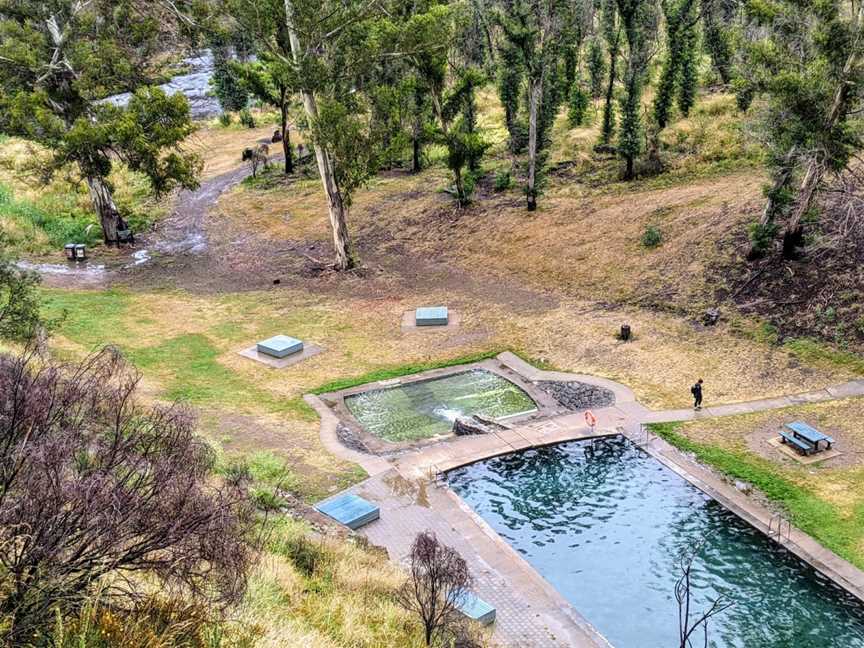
[585,240]
[221,148]
[347,602]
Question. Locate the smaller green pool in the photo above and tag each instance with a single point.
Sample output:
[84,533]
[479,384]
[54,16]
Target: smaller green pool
[424,409]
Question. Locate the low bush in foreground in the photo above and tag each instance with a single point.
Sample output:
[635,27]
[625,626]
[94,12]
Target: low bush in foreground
[103,498]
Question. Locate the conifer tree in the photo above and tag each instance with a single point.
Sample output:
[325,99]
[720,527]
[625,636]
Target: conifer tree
[227,81]
[689,83]
[578,104]
[511,81]
[611,28]
[718,18]
[596,67]
[681,20]
[639,24]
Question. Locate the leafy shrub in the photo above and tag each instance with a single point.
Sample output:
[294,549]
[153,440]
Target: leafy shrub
[225,119]
[578,105]
[519,137]
[767,333]
[503,181]
[291,541]
[761,236]
[246,118]
[652,237]
[267,500]
[71,512]
[20,316]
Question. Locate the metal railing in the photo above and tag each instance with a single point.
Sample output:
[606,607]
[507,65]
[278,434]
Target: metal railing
[776,525]
[434,475]
[645,435]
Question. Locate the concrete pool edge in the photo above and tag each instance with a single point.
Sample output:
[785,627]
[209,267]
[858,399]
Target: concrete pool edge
[840,571]
[592,634]
[530,612]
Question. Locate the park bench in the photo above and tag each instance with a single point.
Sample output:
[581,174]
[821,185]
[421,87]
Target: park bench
[800,430]
[804,447]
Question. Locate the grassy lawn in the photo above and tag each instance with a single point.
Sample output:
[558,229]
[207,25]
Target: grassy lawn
[826,500]
[186,347]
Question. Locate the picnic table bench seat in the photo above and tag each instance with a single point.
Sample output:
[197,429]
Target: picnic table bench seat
[802,430]
[802,445]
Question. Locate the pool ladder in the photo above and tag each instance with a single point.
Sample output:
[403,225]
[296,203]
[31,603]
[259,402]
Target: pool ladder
[645,435]
[776,525]
[435,476]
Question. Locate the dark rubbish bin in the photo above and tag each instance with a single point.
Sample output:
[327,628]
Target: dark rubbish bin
[80,252]
[69,248]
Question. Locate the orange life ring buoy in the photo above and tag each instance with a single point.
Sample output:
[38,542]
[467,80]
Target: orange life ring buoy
[590,419]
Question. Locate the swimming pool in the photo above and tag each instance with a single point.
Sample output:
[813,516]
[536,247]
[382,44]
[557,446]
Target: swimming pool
[426,408]
[607,527]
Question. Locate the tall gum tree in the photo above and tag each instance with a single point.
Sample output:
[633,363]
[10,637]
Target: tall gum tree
[327,45]
[59,58]
[807,61]
[335,204]
[535,29]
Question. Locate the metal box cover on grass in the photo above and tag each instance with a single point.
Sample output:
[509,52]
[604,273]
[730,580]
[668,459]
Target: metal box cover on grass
[351,510]
[280,346]
[432,316]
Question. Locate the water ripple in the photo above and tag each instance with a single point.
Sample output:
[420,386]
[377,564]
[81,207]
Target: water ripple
[606,526]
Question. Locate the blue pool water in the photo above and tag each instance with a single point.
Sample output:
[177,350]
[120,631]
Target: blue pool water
[607,529]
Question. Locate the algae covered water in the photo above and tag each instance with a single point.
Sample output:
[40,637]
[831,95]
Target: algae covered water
[424,409]
[606,524]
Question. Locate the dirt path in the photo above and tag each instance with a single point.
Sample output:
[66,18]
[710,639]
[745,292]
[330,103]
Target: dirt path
[183,232]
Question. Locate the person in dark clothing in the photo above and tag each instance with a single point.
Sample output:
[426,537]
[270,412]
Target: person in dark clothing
[696,390]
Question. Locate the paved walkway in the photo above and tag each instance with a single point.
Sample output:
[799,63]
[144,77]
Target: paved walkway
[845,390]
[530,613]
